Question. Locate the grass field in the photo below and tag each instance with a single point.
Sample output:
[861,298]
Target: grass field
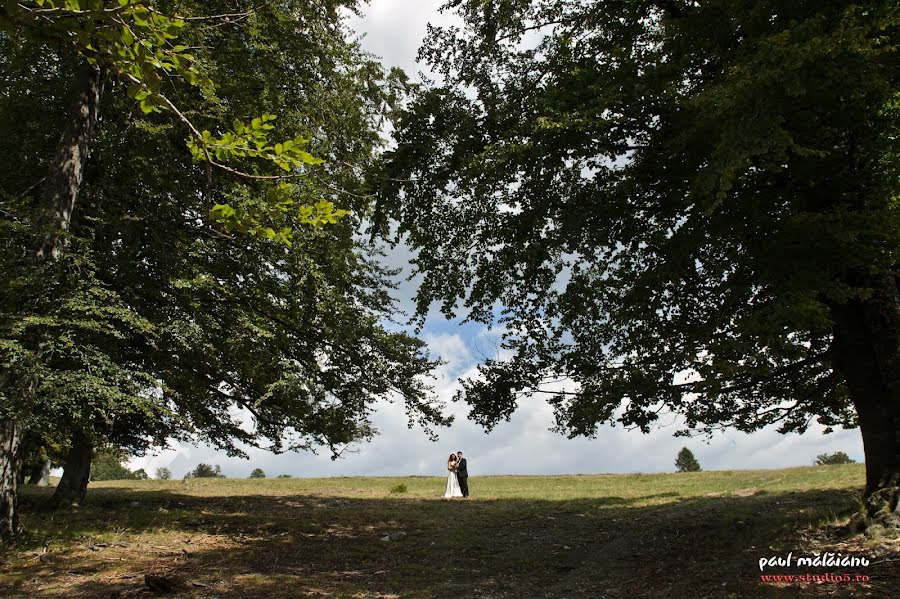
[643,535]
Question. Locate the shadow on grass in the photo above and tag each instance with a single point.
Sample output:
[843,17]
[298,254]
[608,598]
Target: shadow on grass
[319,546]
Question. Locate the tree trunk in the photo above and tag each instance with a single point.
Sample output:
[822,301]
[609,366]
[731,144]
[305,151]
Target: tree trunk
[867,354]
[54,210]
[10,464]
[40,474]
[52,218]
[76,473]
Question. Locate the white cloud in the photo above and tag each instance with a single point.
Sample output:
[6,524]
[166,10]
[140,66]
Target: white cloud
[522,446]
[394,29]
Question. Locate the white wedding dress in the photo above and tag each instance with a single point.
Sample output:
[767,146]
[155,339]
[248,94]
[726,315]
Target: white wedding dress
[453,489]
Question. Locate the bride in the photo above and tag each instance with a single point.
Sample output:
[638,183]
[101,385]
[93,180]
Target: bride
[453,489]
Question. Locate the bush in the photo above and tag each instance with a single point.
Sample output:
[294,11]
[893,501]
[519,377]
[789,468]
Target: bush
[401,488]
[832,459]
[258,473]
[686,462]
[206,471]
[284,476]
[163,473]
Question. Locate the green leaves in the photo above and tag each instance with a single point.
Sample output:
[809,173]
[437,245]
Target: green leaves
[258,218]
[134,40]
[251,140]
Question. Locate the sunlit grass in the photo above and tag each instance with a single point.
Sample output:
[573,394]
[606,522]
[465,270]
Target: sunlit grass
[516,536]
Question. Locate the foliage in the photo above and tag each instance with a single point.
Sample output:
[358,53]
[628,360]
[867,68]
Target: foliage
[134,41]
[108,464]
[206,471]
[161,324]
[831,459]
[401,488]
[662,202]
[257,473]
[283,476]
[163,473]
[686,462]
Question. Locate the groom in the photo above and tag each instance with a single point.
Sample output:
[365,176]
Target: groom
[462,474]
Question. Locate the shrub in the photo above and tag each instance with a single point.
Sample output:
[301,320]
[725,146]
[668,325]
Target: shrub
[257,473]
[284,476]
[686,462]
[163,473]
[831,459]
[401,488]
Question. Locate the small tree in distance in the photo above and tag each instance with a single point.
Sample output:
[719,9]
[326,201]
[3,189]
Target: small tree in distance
[163,474]
[257,473]
[831,459]
[686,462]
[207,471]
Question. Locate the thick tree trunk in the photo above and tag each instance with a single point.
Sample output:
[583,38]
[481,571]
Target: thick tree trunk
[40,474]
[867,353]
[52,218]
[76,473]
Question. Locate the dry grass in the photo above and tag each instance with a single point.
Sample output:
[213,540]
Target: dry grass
[661,535]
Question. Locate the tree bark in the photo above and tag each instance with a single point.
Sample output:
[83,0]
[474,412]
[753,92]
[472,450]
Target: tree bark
[40,474]
[76,474]
[52,218]
[54,210]
[10,463]
[867,354]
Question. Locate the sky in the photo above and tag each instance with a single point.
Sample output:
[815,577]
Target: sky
[393,30]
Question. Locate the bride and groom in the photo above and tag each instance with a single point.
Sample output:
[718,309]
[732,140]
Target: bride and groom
[457,476]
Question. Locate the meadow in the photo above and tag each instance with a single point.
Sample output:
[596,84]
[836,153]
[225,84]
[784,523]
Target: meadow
[638,535]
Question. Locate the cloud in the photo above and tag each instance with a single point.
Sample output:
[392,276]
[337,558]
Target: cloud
[394,29]
[524,445]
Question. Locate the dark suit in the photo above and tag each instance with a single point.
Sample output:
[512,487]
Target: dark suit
[463,476]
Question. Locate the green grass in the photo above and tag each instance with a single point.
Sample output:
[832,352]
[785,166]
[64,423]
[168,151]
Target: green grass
[645,535]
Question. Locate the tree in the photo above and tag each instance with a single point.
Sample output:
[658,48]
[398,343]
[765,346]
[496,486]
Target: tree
[206,471]
[257,473]
[838,457]
[686,462]
[680,207]
[109,464]
[163,473]
[151,296]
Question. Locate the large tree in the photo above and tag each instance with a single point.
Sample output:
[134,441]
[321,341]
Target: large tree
[680,206]
[161,318]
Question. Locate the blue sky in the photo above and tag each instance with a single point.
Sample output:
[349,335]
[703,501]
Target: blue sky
[393,30]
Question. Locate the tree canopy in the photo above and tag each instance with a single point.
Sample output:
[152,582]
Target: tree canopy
[198,304]
[681,207]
